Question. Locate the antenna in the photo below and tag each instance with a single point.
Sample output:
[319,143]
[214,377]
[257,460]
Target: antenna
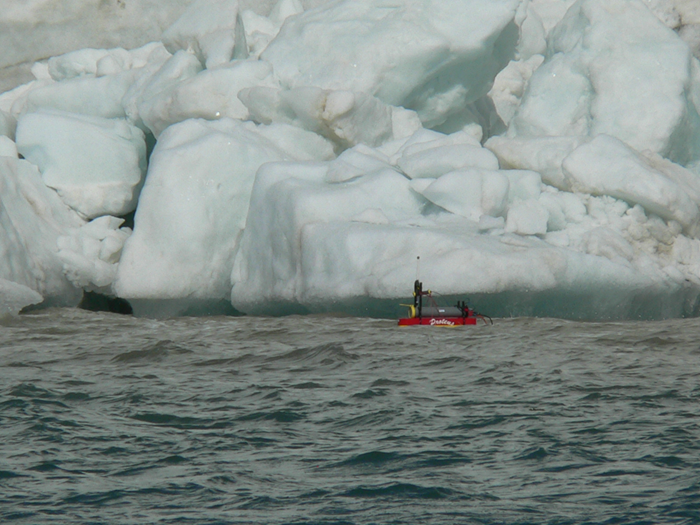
[418,268]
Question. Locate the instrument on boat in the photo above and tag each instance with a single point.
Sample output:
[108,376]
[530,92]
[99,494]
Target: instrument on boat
[434,315]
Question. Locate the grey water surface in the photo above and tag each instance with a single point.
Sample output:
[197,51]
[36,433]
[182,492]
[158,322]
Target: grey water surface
[336,420]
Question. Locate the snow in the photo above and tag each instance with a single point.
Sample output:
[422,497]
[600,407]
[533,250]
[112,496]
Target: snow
[541,157]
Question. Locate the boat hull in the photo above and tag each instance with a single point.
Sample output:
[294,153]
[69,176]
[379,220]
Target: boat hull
[437,321]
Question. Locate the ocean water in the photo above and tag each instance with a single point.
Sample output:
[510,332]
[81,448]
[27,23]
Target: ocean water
[335,420]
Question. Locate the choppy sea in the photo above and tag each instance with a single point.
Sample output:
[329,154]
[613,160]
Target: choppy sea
[336,420]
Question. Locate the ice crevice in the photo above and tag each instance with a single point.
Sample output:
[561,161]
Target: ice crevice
[542,157]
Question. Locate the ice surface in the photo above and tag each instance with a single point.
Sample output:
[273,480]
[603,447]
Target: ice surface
[326,248]
[606,166]
[544,155]
[14,297]
[208,29]
[691,35]
[154,83]
[434,162]
[523,185]
[96,165]
[35,29]
[91,253]
[527,218]
[509,85]
[355,162]
[269,264]
[7,125]
[91,81]
[344,117]
[195,202]
[32,217]
[49,254]
[99,62]
[210,94]
[8,148]
[470,193]
[532,32]
[550,12]
[436,56]
[639,88]
[88,95]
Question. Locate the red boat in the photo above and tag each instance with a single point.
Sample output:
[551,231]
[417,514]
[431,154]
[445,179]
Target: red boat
[434,315]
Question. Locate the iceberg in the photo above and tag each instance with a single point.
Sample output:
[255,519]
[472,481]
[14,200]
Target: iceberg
[322,251]
[541,157]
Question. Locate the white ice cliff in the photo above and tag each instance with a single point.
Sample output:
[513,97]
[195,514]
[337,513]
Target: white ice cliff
[95,164]
[541,157]
[194,205]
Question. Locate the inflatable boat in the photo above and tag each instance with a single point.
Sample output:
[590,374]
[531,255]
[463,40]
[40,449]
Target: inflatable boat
[434,315]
